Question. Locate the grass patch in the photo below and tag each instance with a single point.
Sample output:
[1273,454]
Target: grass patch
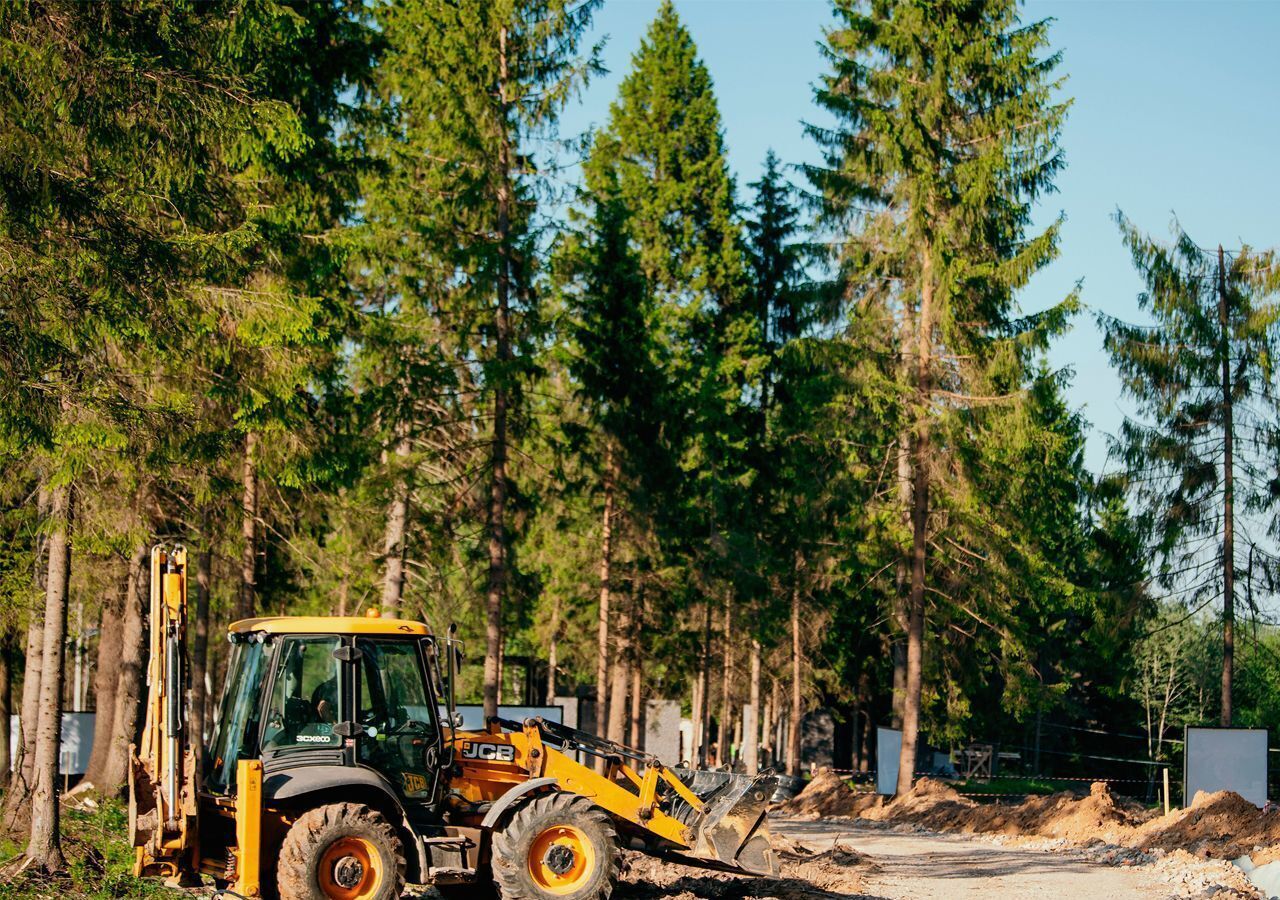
[99,861]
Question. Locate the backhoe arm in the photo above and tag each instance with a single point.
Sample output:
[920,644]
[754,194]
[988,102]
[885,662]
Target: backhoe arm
[164,770]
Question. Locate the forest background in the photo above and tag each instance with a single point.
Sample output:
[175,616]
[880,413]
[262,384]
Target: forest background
[456,311]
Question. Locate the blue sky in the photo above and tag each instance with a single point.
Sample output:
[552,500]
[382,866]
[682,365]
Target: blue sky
[1176,111]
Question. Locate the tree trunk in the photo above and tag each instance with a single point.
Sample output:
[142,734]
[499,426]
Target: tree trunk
[200,641]
[637,678]
[6,700]
[602,621]
[44,849]
[777,751]
[695,717]
[1228,502]
[106,680]
[497,582]
[553,650]
[75,696]
[249,529]
[702,722]
[397,520]
[797,697]
[129,686]
[919,533]
[725,737]
[620,679]
[19,791]
[898,653]
[751,725]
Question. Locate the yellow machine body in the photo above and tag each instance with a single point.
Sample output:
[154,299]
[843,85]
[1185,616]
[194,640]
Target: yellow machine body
[182,830]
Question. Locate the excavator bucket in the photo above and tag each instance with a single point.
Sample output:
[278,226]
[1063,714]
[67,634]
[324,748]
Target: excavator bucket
[732,832]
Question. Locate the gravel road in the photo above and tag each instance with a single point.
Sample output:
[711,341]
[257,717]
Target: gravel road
[911,865]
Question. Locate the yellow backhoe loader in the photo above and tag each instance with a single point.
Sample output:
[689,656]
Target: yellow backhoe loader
[337,769]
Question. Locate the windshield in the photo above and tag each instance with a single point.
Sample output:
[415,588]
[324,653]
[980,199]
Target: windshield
[236,730]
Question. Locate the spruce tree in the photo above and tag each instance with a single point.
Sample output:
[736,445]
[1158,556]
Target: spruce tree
[1199,455]
[108,220]
[663,153]
[469,89]
[946,134]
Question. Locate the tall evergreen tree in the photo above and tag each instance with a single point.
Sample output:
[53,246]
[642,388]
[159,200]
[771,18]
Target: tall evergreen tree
[946,134]
[1199,457]
[108,219]
[663,153]
[469,87]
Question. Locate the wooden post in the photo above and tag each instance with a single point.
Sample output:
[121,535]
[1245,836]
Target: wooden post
[1166,790]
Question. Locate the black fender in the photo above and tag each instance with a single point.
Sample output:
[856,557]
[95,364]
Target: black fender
[285,785]
[505,802]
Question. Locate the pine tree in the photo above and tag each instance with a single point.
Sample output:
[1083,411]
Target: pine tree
[107,220]
[469,87]
[663,153]
[947,134]
[783,451]
[1198,458]
[611,359]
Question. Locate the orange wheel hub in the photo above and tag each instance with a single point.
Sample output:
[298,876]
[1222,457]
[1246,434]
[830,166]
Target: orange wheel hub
[350,869]
[561,859]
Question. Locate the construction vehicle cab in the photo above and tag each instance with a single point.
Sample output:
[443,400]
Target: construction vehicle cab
[336,770]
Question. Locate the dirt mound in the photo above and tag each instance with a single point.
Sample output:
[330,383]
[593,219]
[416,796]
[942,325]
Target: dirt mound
[930,803]
[805,875]
[838,870]
[827,795]
[937,806]
[1222,825]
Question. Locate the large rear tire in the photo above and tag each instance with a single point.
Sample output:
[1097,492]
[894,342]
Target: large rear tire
[343,851]
[556,847]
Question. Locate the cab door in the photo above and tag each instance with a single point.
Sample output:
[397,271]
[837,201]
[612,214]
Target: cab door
[399,731]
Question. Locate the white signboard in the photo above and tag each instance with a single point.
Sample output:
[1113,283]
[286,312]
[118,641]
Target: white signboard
[77,742]
[1226,759]
[888,746]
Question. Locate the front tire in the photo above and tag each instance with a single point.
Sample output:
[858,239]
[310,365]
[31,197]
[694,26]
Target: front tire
[556,847]
[343,851]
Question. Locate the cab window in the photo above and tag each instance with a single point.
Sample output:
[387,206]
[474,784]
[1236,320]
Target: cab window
[235,734]
[306,695]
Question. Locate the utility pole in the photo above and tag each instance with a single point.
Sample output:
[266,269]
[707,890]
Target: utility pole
[1228,503]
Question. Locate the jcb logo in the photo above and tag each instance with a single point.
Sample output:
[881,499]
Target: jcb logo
[497,752]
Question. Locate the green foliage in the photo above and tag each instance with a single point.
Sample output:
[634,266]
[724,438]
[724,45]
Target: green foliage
[1173,370]
[334,226]
[100,861]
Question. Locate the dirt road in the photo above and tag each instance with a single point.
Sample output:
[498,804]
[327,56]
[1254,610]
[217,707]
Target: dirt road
[908,866]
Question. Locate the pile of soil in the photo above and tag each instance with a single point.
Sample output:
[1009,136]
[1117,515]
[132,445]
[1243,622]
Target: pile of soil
[936,806]
[931,804]
[1222,825]
[805,875]
[827,796]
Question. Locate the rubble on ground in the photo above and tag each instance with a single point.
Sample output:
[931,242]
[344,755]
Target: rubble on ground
[806,875]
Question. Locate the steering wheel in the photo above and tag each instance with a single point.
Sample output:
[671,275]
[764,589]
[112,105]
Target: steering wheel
[406,727]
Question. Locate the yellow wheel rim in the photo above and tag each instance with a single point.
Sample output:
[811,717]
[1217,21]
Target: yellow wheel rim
[350,869]
[561,859]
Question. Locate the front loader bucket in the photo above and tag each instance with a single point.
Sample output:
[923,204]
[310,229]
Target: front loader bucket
[732,832]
